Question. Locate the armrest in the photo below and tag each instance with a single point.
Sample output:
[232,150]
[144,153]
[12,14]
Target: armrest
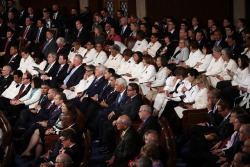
[183,104]
[50,141]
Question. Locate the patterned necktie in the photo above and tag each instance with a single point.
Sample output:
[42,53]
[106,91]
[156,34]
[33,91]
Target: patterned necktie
[25,32]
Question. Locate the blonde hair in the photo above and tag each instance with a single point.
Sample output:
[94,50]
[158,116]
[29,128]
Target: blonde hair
[150,150]
[203,79]
[100,30]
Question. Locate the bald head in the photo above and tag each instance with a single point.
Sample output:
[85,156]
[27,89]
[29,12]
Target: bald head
[63,160]
[123,122]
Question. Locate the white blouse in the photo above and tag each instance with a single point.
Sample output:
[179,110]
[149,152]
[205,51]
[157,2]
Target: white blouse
[148,74]
[152,48]
[99,58]
[140,46]
[206,60]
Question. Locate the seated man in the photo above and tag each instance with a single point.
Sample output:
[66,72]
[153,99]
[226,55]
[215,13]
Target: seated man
[51,67]
[15,58]
[5,79]
[129,144]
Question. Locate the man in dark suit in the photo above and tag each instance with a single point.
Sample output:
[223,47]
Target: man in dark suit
[14,58]
[106,17]
[5,79]
[218,39]
[28,31]
[73,74]
[22,15]
[11,8]
[50,45]
[3,28]
[63,46]
[57,16]
[32,15]
[51,67]
[50,23]
[40,35]
[172,30]
[80,33]
[57,80]
[129,144]
[234,46]
[200,39]
[124,29]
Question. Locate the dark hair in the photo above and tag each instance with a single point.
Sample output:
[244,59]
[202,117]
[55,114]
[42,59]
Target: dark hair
[29,76]
[147,28]
[208,47]
[99,15]
[155,35]
[193,72]
[62,96]
[121,11]
[69,151]
[139,54]
[128,52]
[99,44]
[25,50]
[80,21]
[181,71]
[105,10]
[148,59]
[37,82]
[45,83]
[65,57]
[244,21]
[215,93]
[164,61]
[244,61]
[92,42]
[141,34]
[40,56]
[78,41]
[71,108]
[233,37]
[231,27]
[116,76]
[243,118]
[134,86]
[169,36]
[51,32]
[14,46]
[225,104]
[172,68]
[111,70]
[19,73]
[70,134]
[238,110]
[218,30]
[194,45]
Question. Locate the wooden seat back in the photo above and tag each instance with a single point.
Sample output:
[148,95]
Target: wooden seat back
[167,141]
[130,42]
[79,120]
[87,146]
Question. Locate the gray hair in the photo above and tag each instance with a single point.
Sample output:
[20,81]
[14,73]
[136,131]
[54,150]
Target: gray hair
[8,67]
[147,108]
[126,121]
[217,49]
[66,160]
[90,67]
[116,48]
[143,162]
[53,54]
[79,57]
[228,52]
[102,68]
[122,81]
[60,40]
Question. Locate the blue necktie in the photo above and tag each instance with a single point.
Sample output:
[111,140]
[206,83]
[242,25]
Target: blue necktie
[119,99]
[45,46]
[68,77]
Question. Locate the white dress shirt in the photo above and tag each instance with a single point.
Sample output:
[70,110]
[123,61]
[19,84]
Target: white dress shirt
[99,58]
[26,64]
[140,46]
[113,62]
[12,90]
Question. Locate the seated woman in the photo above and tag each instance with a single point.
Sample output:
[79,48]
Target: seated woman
[32,97]
[134,28]
[194,56]
[89,53]
[151,95]
[229,65]
[148,73]
[137,68]
[26,61]
[39,64]
[115,58]
[151,151]
[247,49]
[77,49]
[181,52]
[160,77]
[88,78]
[112,36]
[127,62]
[168,48]
[201,98]
[172,93]
[141,43]
[153,46]
[157,30]
[100,56]
[146,29]
[204,62]
[99,35]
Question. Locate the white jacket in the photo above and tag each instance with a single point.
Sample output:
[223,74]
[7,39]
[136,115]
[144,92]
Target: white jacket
[89,56]
[33,100]
[114,62]
[26,64]
[194,58]
[152,48]
[125,66]
[215,67]
[140,46]
[99,58]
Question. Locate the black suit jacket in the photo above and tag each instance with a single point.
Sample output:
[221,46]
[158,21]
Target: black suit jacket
[96,87]
[223,44]
[214,118]
[43,101]
[57,79]
[52,47]
[15,62]
[131,108]
[151,123]
[30,34]
[117,106]
[3,29]
[42,37]
[21,18]
[5,83]
[25,91]
[53,70]
[175,35]
[10,43]
[84,36]
[224,131]
[108,20]
[170,51]
[64,50]
[126,32]
[128,147]
[53,116]
[45,111]
[236,51]
[75,77]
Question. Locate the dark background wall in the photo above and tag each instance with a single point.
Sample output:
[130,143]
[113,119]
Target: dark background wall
[217,9]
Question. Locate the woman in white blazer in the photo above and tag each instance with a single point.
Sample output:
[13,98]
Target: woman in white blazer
[39,64]
[33,96]
[89,53]
[204,62]
[127,62]
[160,78]
[141,43]
[153,46]
[201,98]
[136,69]
[100,56]
[115,58]
[229,65]
[181,53]
[88,78]
[26,62]
[148,73]
[77,49]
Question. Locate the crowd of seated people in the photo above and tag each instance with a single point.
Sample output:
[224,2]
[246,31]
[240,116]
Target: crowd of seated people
[117,73]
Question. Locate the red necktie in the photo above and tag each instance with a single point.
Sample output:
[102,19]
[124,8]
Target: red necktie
[55,110]
[49,105]
[85,54]
[26,30]
[128,99]
[6,45]
[140,126]
[58,51]
[20,92]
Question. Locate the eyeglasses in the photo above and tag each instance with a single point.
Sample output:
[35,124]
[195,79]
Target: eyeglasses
[24,78]
[129,90]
